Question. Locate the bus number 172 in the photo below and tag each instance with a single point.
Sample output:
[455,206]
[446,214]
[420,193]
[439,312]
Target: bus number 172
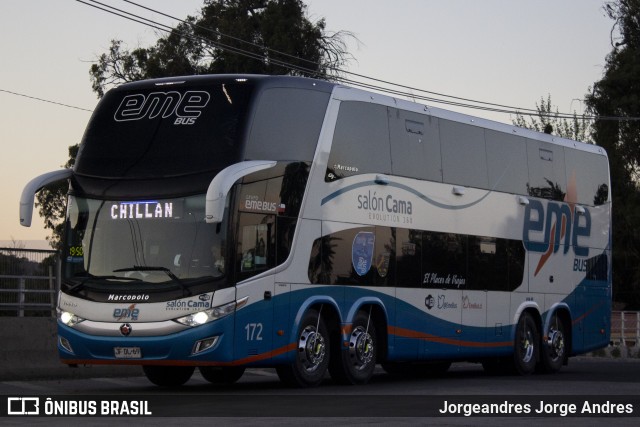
[254,331]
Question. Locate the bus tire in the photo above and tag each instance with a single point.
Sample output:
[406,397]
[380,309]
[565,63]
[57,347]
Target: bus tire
[312,354]
[554,348]
[355,364]
[526,343]
[168,376]
[222,374]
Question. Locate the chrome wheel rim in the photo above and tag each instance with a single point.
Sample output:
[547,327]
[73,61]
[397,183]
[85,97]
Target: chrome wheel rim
[556,344]
[311,349]
[361,349]
[527,345]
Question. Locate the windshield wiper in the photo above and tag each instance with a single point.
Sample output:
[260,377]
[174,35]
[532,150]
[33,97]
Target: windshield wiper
[81,284]
[163,269]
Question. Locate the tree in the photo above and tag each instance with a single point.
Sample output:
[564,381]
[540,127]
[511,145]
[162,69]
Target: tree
[230,36]
[51,204]
[617,95]
[549,121]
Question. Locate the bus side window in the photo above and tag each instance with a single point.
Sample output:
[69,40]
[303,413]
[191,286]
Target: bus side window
[255,243]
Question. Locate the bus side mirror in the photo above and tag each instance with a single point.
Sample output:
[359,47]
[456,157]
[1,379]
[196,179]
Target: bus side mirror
[222,183]
[35,185]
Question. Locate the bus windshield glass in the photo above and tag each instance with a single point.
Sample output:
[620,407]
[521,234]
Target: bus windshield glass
[167,132]
[165,241]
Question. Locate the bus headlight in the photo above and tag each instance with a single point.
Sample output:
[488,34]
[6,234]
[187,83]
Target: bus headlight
[215,313]
[69,318]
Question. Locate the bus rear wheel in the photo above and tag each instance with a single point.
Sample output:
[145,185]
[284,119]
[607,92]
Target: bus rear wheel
[222,374]
[554,346]
[525,354]
[312,354]
[168,376]
[355,364]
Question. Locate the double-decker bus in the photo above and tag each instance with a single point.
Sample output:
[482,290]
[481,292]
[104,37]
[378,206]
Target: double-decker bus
[233,221]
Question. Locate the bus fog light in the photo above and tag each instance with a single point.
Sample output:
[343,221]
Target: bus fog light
[64,343]
[204,344]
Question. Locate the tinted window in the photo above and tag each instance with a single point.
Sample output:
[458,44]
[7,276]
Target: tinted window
[287,124]
[589,174]
[506,162]
[547,178]
[444,260]
[360,256]
[182,130]
[360,141]
[256,244]
[278,190]
[495,264]
[409,256]
[415,145]
[423,259]
[464,159]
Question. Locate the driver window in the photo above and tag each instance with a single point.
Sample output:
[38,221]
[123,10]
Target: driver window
[255,245]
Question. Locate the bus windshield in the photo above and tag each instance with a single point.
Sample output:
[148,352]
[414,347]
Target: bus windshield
[159,242]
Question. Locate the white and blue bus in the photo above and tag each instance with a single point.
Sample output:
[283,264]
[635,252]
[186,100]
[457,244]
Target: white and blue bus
[233,221]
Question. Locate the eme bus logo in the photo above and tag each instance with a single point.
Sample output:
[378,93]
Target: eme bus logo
[186,107]
[545,231]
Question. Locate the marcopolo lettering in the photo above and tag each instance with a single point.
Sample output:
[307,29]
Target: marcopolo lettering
[186,107]
[557,225]
[132,297]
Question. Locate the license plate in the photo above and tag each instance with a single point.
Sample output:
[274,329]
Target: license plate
[127,352]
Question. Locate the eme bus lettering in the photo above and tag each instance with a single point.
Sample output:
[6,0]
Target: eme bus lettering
[186,107]
[130,312]
[545,231]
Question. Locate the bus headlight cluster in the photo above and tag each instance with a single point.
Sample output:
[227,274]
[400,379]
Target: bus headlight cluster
[69,318]
[215,313]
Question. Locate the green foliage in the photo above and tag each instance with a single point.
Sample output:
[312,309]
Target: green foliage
[549,121]
[215,42]
[617,94]
[51,204]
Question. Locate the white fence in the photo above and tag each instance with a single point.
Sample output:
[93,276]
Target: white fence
[29,280]
[625,328]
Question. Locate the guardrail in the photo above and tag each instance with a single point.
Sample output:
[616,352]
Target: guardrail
[29,281]
[625,328]
[30,299]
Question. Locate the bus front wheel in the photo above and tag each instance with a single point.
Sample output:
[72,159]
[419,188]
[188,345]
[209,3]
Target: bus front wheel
[168,376]
[312,354]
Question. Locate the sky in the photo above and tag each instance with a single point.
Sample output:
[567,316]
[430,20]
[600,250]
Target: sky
[510,52]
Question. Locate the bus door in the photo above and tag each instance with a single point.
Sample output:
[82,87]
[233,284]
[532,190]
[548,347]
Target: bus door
[254,255]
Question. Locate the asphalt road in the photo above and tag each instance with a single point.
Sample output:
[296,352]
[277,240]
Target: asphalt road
[604,387]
